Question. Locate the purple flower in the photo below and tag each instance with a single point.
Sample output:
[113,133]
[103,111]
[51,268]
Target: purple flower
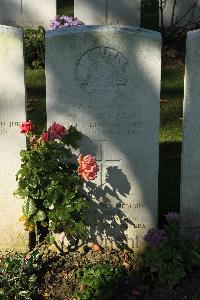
[155,237]
[64,21]
[173,217]
[196,235]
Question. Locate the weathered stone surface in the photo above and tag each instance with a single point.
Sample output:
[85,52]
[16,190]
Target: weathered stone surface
[184,12]
[90,12]
[190,187]
[118,12]
[27,13]
[124,12]
[12,113]
[105,80]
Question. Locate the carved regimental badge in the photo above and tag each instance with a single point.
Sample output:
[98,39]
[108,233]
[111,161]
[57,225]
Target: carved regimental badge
[102,71]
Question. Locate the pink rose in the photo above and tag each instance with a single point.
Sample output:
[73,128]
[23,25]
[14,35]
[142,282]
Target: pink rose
[88,167]
[27,257]
[56,131]
[45,136]
[26,127]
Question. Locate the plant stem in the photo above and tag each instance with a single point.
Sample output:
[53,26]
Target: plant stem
[36,234]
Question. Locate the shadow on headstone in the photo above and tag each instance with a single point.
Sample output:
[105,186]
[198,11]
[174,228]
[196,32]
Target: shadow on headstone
[104,219]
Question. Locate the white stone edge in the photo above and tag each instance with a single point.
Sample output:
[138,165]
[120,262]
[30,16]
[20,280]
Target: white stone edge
[103,28]
[193,34]
[11,29]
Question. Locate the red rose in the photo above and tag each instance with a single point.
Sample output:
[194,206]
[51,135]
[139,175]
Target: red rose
[45,136]
[26,127]
[88,167]
[57,131]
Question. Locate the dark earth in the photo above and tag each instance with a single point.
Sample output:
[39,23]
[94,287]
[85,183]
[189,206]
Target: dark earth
[61,277]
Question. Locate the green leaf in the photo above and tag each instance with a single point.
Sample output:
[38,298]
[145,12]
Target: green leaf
[44,224]
[40,216]
[23,293]
[52,227]
[2,291]
[29,207]
[69,195]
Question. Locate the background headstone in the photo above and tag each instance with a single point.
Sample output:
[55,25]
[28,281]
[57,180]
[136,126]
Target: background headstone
[27,13]
[105,80]
[180,12]
[118,12]
[190,187]
[90,12]
[12,113]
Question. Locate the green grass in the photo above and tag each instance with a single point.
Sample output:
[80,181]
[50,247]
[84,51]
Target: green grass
[172,83]
[171,121]
[170,141]
[36,89]
[172,111]
[65,7]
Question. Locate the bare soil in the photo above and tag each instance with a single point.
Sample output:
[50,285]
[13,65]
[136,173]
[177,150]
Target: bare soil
[61,277]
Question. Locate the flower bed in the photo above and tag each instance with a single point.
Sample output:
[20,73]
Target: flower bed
[45,275]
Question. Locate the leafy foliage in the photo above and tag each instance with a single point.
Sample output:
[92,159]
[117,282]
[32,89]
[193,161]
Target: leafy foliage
[174,256]
[19,275]
[51,188]
[34,47]
[100,281]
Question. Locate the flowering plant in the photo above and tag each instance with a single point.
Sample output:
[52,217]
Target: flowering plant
[169,255]
[51,183]
[64,21]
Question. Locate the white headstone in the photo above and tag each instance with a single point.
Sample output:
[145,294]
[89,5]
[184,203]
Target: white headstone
[27,13]
[184,12]
[190,187]
[12,113]
[118,12]
[105,80]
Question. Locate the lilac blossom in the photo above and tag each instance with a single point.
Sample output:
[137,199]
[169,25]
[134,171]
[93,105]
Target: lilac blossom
[173,217]
[64,21]
[155,237]
[196,235]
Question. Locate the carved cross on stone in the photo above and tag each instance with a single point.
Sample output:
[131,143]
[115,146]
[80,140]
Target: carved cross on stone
[103,162]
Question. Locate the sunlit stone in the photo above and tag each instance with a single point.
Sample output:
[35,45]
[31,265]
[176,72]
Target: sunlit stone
[12,113]
[105,80]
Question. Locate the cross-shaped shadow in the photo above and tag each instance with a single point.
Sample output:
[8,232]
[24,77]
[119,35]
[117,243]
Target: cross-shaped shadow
[106,219]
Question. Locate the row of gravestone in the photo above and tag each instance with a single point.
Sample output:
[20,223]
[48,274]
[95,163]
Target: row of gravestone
[92,12]
[128,12]
[105,80]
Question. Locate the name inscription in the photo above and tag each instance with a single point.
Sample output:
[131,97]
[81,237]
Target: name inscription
[5,126]
[114,119]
